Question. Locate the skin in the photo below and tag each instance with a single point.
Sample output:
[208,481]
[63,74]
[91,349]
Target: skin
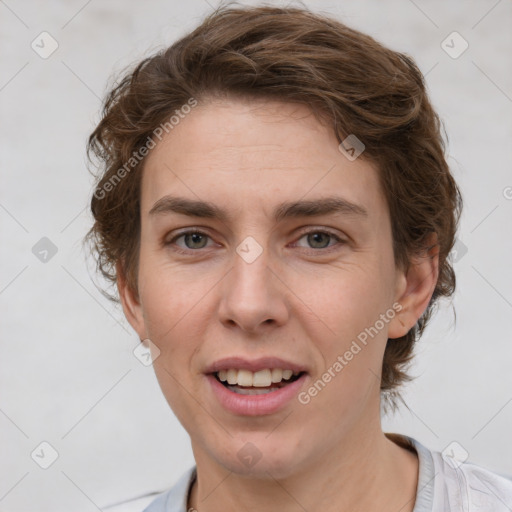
[304,299]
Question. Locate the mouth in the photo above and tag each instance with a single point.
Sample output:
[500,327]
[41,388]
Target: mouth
[255,387]
[245,382]
[263,392]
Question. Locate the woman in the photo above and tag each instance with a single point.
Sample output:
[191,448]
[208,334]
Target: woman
[306,162]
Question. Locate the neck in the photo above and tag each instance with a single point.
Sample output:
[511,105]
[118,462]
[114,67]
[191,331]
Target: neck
[366,472]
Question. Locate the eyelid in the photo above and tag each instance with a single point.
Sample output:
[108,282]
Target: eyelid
[340,241]
[186,231]
[337,237]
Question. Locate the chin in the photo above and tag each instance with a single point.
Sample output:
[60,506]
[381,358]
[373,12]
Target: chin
[260,458]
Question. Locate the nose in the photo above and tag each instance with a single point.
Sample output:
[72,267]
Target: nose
[253,296]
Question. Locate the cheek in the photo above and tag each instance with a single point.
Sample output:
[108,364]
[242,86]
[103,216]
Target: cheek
[170,295]
[350,354]
[350,301]
[172,305]
[352,347]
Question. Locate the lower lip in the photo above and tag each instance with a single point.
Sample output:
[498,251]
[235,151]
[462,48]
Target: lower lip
[255,405]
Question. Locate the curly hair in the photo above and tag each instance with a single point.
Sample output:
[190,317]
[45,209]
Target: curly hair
[345,77]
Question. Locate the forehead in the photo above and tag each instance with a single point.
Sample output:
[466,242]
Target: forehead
[249,154]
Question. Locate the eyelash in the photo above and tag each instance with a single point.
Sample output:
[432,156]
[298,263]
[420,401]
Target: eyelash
[303,234]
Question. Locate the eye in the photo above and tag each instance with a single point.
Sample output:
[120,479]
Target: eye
[317,239]
[193,240]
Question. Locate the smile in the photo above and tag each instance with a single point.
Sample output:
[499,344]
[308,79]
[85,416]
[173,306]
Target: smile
[262,396]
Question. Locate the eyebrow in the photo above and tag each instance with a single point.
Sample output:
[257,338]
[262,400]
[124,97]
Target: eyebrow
[311,208]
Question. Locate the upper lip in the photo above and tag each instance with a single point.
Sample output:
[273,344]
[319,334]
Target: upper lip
[254,365]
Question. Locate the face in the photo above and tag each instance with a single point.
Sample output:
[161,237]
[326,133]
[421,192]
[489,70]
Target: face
[270,274]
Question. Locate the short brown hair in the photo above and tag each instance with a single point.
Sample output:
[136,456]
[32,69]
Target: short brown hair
[344,76]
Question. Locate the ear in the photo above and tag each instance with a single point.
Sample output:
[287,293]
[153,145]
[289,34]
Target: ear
[130,301]
[415,287]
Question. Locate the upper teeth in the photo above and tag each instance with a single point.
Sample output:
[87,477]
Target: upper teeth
[261,378]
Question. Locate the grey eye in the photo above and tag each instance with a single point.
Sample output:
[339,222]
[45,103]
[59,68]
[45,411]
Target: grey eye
[194,240]
[315,239]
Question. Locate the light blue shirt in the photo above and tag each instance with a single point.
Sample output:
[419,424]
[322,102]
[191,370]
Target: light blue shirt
[444,484]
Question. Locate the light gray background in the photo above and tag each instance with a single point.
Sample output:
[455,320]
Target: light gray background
[67,372]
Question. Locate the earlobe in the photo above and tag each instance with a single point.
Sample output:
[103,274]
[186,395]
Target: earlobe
[416,288]
[130,302]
